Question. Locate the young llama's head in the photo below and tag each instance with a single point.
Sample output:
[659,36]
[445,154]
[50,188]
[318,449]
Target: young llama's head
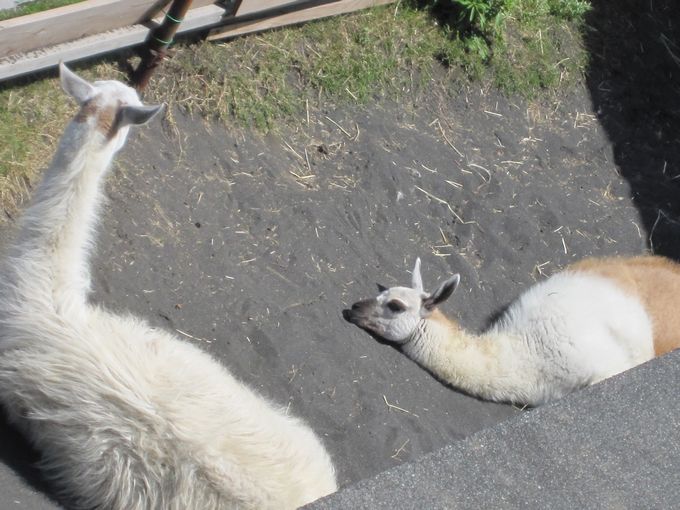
[108,107]
[395,314]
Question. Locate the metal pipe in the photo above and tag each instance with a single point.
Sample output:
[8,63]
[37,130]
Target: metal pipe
[158,42]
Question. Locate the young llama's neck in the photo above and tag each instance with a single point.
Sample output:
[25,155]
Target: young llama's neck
[49,260]
[480,365]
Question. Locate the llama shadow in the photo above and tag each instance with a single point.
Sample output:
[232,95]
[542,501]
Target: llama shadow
[634,83]
[18,455]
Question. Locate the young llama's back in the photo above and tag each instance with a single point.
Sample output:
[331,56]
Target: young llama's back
[597,318]
[127,416]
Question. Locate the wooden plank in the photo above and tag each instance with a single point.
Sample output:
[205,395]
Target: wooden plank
[71,22]
[199,18]
[253,6]
[89,46]
[55,26]
[85,47]
[316,12]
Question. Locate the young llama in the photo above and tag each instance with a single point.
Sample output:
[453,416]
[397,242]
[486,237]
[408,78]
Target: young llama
[127,416]
[595,319]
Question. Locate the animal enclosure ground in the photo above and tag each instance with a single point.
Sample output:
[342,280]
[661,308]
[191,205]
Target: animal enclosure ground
[251,245]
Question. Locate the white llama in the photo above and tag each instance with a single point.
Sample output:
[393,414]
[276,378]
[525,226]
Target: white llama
[127,416]
[597,318]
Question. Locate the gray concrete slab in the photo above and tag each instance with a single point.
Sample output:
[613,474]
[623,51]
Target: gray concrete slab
[615,445]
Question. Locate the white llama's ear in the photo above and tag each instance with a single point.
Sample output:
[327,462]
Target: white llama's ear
[442,293]
[381,288]
[416,278]
[136,115]
[74,85]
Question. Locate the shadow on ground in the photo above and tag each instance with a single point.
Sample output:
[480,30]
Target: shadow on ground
[16,451]
[634,82]
[20,478]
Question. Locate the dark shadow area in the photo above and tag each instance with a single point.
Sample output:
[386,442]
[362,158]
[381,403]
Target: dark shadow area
[17,454]
[446,13]
[634,82]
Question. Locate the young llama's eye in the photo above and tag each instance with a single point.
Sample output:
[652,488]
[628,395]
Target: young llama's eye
[396,306]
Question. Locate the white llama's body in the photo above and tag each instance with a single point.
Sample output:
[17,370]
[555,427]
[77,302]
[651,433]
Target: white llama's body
[574,329]
[127,416]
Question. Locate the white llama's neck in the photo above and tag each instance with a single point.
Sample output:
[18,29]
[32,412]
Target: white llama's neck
[51,254]
[481,365]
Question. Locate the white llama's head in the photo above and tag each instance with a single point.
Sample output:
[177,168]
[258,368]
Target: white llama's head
[110,106]
[394,315]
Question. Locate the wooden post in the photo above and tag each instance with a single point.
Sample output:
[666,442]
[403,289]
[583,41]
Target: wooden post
[157,44]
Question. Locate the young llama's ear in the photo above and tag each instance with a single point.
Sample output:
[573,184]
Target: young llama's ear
[416,278]
[74,85]
[137,115]
[442,293]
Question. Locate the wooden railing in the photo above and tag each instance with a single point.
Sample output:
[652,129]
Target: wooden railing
[39,41]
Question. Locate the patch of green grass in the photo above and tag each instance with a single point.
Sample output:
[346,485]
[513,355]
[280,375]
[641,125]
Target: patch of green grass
[263,78]
[525,46]
[391,51]
[540,46]
[33,7]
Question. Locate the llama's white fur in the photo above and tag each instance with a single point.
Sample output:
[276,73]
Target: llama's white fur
[574,329]
[127,416]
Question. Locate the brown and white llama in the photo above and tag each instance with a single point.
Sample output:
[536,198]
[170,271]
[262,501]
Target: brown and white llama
[127,416]
[595,319]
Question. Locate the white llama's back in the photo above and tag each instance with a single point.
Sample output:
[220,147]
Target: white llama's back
[578,327]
